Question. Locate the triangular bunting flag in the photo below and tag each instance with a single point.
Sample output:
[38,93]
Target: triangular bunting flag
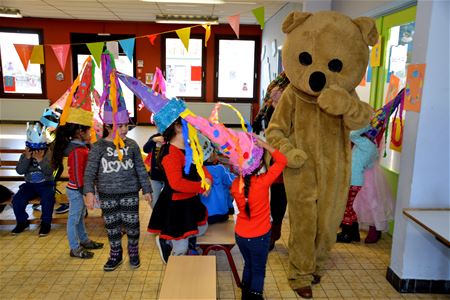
[152,38]
[259,15]
[37,56]
[61,52]
[234,23]
[207,33]
[96,50]
[184,34]
[24,52]
[113,48]
[128,47]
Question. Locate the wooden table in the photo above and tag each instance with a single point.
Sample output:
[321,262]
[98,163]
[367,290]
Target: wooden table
[434,220]
[190,277]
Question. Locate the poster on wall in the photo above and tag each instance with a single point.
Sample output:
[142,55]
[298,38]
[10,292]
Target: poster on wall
[414,86]
[394,84]
[375,54]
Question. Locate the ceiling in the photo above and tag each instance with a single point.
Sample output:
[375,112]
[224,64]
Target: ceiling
[137,10]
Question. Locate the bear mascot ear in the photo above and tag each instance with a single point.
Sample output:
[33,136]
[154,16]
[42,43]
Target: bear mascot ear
[368,29]
[294,19]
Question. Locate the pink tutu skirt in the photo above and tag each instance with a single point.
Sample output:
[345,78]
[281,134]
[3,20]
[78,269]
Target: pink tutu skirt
[374,204]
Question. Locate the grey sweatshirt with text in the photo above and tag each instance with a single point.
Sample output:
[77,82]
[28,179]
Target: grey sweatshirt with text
[114,176]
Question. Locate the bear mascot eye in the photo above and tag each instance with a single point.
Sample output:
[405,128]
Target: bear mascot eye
[335,65]
[305,58]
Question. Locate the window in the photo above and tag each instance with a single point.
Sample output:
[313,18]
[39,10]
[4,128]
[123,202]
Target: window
[184,70]
[16,82]
[236,69]
[123,64]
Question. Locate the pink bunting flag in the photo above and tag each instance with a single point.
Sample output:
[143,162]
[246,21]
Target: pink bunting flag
[61,53]
[24,52]
[234,23]
[152,38]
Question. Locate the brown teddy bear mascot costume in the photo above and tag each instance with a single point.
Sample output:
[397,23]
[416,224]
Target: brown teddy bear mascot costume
[325,57]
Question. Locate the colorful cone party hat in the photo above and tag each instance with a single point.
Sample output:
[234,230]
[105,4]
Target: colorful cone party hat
[36,137]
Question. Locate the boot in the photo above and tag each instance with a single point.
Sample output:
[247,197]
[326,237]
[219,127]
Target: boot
[133,252]
[355,232]
[305,292]
[373,236]
[345,235]
[256,296]
[114,260]
[245,292]
[275,235]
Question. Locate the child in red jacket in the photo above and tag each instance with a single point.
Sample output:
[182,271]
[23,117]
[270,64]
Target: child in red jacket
[253,222]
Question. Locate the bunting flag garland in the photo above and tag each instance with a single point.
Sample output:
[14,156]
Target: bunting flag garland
[61,53]
[259,15]
[96,50]
[152,38]
[128,47]
[113,48]
[184,34]
[37,56]
[207,32]
[234,23]
[24,52]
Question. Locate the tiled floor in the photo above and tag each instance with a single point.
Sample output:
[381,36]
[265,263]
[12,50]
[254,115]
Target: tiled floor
[41,268]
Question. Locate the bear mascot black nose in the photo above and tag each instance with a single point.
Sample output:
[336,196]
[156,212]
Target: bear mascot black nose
[317,81]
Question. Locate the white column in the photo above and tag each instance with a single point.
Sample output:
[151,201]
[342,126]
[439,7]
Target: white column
[424,167]
[316,5]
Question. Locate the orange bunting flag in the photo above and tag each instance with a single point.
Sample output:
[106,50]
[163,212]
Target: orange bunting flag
[207,33]
[152,38]
[24,52]
[37,56]
[234,23]
[184,34]
[61,53]
[259,15]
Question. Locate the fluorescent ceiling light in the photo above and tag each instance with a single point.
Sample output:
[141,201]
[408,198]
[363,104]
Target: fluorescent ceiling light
[183,19]
[188,1]
[7,12]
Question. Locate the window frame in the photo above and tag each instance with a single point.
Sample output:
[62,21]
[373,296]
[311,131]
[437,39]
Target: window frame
[201,37]
[257,67]
[43,95]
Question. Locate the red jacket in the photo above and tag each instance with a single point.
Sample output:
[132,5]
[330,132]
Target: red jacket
[77,162]
[173,164]
[258,198]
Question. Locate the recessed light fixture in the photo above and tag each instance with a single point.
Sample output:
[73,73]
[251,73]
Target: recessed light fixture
[186,19]
[188,1]
[7,12]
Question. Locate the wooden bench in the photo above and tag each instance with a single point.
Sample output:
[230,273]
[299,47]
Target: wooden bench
[7,217]
[190,277]
[220,237]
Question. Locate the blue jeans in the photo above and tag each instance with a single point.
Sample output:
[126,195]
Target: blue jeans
[254,251]
[157,187]
[27,191]
[181,247]
[76,231]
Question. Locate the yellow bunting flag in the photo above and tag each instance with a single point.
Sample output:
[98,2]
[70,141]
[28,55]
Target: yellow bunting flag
[96,50]
[37,56]
[259,15]
[24,52]
[184,34]
[207,33]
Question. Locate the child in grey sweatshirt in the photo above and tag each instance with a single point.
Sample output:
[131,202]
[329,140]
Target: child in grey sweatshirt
[118,183]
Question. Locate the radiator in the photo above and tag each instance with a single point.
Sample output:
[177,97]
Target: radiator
[226,115]
[22,109]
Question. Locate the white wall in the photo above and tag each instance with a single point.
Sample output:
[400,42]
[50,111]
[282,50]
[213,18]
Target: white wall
[22,109]
[424,167]
[370,8]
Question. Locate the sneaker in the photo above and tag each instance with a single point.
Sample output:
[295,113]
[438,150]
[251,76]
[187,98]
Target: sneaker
[20,227]
[135,262]
[164,249]
[62,209]
[114,260]
[36,207]
[81,253]
[45,229]
[91,245]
